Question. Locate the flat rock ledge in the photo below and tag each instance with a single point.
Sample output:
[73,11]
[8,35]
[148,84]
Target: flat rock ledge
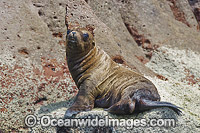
[183,123]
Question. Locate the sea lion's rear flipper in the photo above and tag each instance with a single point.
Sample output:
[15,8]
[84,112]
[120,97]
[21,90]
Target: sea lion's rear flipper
[123,107]
[144,104]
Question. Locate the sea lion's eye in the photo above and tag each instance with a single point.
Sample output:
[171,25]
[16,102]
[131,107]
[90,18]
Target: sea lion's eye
[68,31]
[85,36]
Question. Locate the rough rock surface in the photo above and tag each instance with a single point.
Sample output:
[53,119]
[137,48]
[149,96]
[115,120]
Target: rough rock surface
[179,84]
[33,69]
[152,23]
[184,123]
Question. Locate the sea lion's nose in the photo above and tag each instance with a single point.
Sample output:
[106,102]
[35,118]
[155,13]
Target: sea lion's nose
[73,32]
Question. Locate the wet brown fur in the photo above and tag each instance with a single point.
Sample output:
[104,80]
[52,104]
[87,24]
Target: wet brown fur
[102,82]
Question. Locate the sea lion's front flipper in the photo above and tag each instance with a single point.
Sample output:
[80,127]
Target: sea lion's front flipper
[123,107]
[83,102]
[73,110]
[144,104]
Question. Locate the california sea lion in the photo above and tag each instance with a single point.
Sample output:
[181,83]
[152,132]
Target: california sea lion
[104,83]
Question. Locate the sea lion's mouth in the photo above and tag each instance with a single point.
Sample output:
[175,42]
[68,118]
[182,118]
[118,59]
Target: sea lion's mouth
[72,41]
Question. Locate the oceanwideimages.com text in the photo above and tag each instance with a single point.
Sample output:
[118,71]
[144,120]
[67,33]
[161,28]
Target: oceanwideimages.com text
[46,121]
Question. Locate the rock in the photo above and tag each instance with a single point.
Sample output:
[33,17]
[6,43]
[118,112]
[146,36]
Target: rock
[183,80]
[160,22]
[32,64]
[183,123]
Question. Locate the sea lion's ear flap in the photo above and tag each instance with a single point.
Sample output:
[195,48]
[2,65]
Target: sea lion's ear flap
[90,28]
[93,43]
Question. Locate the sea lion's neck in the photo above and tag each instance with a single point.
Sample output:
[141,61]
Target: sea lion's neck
[79,64]
[78,59]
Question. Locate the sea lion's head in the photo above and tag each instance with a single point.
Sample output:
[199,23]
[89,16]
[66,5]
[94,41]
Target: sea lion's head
[79,42]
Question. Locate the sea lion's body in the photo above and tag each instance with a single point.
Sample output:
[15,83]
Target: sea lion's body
[104,83]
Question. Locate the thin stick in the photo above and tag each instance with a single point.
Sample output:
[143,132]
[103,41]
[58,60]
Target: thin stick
[66,17]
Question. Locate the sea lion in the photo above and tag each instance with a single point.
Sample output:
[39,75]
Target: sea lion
[104,83]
